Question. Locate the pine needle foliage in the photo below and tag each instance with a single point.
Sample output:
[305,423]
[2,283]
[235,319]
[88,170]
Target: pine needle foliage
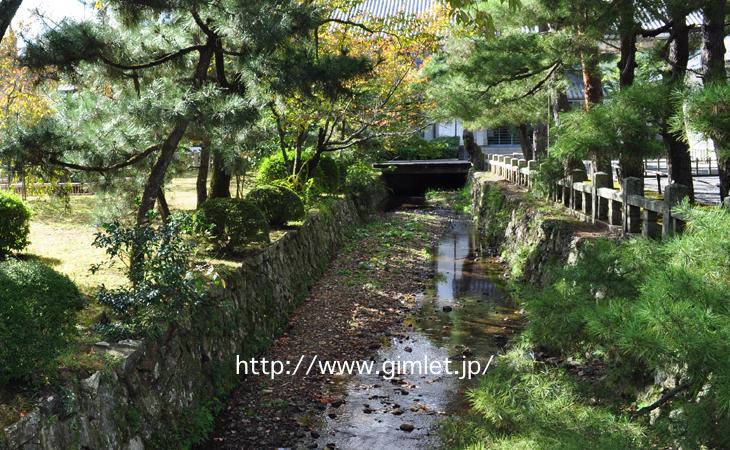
[522,404]
[648,309]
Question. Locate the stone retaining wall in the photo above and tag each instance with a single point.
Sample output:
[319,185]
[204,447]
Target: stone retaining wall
[528,234]
[159,393]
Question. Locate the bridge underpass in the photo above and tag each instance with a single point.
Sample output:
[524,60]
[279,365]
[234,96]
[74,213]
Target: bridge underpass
[414,178]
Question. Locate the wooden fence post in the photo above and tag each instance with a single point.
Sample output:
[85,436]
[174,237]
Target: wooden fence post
[632,214]
[521,164]
[600,205]
[673,194]
[649,226]
[531,166]
[576,176]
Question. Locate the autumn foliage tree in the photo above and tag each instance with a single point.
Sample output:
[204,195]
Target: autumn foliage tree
[370,89]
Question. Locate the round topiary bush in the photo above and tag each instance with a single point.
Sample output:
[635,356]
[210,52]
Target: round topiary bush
[14,224]
[278,203]
[38,308]
[233,223]
[273,168]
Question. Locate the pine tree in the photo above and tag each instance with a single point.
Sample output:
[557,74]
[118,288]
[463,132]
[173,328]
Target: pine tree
[190,56]
[713,65]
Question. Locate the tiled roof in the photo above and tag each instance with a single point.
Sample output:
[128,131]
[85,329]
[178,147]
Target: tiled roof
[383,9]
[651,21]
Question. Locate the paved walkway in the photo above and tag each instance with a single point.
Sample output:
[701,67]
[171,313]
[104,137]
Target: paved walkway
[707,190]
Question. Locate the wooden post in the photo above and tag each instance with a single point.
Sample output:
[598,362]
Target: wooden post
[521,164]
[673,195]
[632,213]
[531,166]
[576,176]
[513,170]
[649,226]
[600,205]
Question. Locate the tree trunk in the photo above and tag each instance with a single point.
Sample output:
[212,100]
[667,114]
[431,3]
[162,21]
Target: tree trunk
[539,141]
[298,163]
[162,205]
[220,185]
[169,147]
[713,68]
[159,169]
[8,8]
[476,156]
[524,135]
[593,95]
[628,32]
[678,157]
[309,167]
[560,105]
[630,159]
[592,83]
[201,184]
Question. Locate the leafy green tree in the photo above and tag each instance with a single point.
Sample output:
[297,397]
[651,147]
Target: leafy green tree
[495,82]
[707,111]
[353,82]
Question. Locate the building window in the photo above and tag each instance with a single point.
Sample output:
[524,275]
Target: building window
[502,136]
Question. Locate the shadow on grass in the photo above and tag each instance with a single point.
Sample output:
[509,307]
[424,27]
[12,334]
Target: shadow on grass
[47,260]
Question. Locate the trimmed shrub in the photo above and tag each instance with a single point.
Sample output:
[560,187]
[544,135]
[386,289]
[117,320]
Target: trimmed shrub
[273,168]
[279,204]
[328,174]
[365,184]
[233,223]
[415,147]
[37,316]
[14,224]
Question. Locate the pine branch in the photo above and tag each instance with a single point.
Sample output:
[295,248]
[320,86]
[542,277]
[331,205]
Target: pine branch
[351,23]
[668,395]
[101,169]
[204,26]
[517,77]
[534,89]
[161,60]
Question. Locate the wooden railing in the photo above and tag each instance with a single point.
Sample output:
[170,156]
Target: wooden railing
[596,200]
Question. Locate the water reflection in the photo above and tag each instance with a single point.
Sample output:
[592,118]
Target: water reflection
[466,316]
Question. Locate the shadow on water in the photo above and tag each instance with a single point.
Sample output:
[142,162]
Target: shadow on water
[466,316]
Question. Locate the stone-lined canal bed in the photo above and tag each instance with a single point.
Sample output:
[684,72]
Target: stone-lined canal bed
[408,287]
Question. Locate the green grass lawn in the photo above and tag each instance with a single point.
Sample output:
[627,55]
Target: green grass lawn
[61,234]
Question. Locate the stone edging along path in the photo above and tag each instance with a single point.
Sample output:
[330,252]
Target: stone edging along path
[161,391]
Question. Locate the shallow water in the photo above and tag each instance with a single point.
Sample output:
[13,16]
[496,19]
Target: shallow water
[480,322]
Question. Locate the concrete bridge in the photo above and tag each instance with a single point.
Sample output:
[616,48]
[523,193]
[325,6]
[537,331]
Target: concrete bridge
[415,177]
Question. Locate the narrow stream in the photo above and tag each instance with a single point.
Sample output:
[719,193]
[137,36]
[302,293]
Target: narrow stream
[465,316]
